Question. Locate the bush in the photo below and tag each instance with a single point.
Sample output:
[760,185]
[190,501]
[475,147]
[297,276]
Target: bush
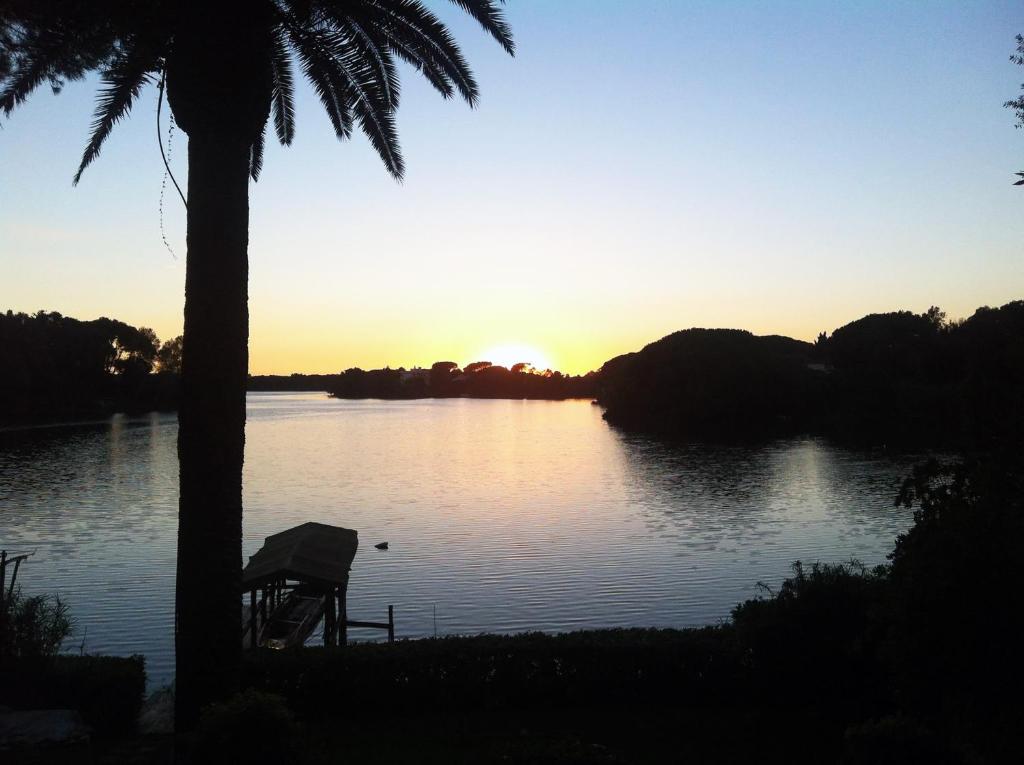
[107,690]
[819,635]
[32,627]
[955,618]
[609,668]
[895,741]
[250,727]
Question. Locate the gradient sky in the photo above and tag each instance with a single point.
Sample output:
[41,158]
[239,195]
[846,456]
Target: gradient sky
[639,167]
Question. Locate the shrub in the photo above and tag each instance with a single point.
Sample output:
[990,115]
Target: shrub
[955,618]
[819,635]
[106,690]
[250,727]
[895,740]
[32,627]
[608,668]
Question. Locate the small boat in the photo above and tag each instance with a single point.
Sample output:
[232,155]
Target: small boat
[292,622]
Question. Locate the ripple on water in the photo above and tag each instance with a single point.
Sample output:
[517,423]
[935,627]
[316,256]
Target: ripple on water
[502,515]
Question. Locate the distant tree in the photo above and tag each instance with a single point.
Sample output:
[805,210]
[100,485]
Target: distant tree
[441,375]
[1017,104]
[936,316]
[522,367]
[133,350]
[63,366]
[476,366]
[168,358]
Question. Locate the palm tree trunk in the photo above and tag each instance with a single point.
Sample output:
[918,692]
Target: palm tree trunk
[211,423]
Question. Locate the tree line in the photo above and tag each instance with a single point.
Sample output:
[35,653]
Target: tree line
[55,366]
[445,379]
[898,379]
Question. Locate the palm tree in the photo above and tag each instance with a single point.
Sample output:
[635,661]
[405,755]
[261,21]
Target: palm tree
[227,67]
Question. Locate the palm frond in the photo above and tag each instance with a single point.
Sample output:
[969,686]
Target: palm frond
[256,155]
[323,76]
[369,97]
[29,61]
[419,37]
[348,85]
[376,57]
[36,49]
[23,78]
[122,81]
[490,17]
[283,91]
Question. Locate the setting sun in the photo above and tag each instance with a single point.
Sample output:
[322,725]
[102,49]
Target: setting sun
[507,354]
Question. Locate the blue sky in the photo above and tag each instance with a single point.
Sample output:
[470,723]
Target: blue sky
[639,167]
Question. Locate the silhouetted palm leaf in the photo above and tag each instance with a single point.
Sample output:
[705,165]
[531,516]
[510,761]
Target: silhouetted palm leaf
[419,37]
[323,76]
[492,19]
[371,97]
[283,93]
[122,82]
[256,155]
[345,48]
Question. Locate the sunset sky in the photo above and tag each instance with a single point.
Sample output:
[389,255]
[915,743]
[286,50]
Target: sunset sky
[639,167]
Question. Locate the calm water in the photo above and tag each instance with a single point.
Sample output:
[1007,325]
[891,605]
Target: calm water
[502,515]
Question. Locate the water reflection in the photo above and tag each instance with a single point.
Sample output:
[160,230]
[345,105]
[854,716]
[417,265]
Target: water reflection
[502,515]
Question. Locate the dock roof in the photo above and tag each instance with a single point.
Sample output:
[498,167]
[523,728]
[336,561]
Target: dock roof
[311,552]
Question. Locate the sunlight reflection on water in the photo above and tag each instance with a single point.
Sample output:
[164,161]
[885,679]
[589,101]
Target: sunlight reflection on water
[502,515]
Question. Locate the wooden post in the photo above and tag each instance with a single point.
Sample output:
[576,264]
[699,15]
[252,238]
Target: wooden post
[343,615]
[252,618]
[329,618]
[14,577]
[3,575]
[391,624]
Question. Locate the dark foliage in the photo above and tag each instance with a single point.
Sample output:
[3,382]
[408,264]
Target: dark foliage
[933,638]
[31,627]
[617,668]
[818,637]
[106,690]
[249,727]
[445,380]
[896,740]
[293,382]
[168,358]
[897,379]
[56,366]
[720,383]
[956,584]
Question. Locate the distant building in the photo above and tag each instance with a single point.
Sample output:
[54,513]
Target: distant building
[416,373]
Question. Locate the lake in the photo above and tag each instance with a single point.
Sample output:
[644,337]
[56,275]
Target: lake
[502,516]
